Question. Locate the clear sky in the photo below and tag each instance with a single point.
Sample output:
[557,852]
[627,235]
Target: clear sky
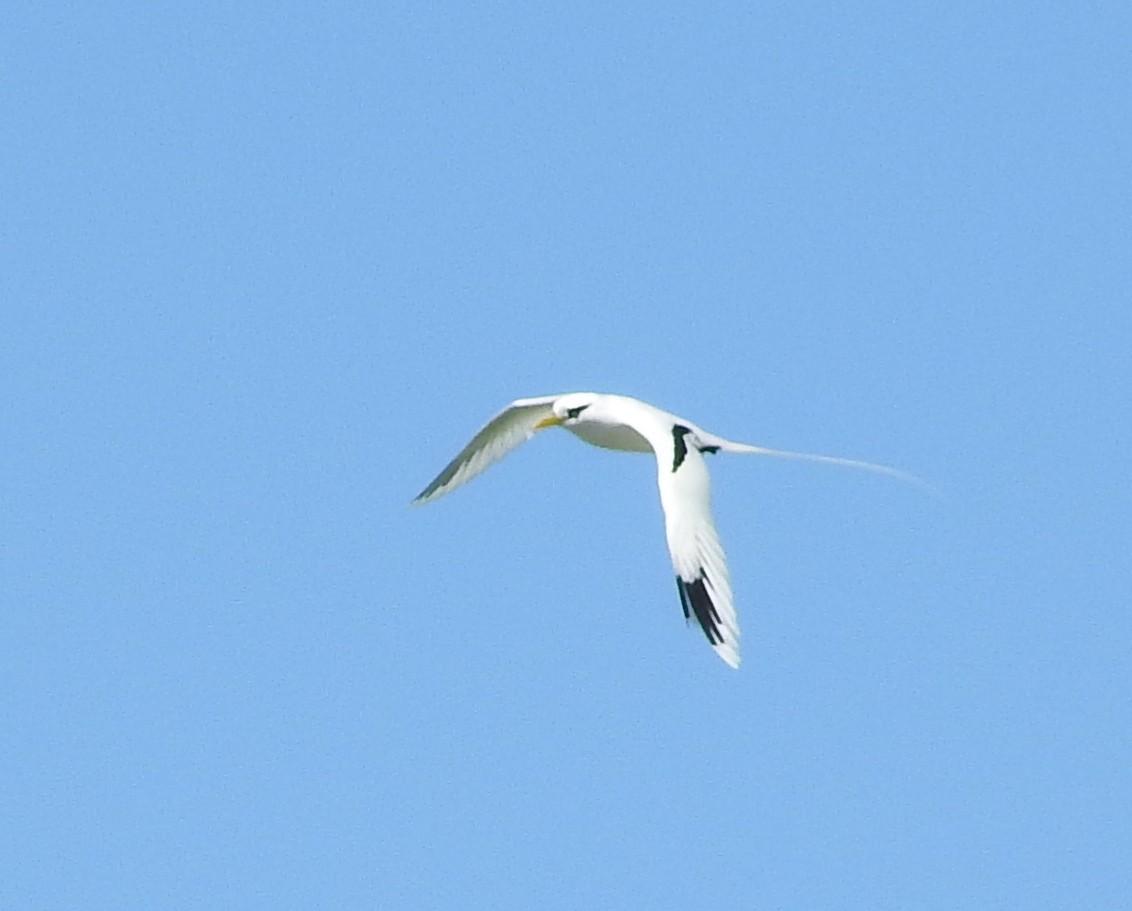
[266,267]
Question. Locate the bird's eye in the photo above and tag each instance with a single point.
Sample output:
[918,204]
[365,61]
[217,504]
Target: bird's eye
[572,413]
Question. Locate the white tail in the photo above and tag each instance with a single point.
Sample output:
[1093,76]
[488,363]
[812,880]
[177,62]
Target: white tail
[729,446]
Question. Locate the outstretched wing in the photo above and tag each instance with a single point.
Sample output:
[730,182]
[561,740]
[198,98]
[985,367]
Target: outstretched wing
[506,430]
[697,555]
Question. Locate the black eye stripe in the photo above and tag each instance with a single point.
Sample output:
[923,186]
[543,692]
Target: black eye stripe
[574,412]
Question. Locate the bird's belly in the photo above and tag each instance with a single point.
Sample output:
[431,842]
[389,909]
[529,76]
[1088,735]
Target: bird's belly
[612,436]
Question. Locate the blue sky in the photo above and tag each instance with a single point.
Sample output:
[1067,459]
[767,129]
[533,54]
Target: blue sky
[265,269]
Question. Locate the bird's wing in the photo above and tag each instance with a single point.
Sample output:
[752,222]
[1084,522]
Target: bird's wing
[506,430]
[697,555]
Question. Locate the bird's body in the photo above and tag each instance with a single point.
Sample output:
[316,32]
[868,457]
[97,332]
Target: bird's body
[623,423]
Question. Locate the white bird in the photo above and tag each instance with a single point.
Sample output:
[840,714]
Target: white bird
[621,422]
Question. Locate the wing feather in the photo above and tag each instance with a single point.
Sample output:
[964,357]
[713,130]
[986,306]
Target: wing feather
[697,555]
[513,425]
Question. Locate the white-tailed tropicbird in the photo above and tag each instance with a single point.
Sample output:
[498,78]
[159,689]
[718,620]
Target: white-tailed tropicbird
[621,422]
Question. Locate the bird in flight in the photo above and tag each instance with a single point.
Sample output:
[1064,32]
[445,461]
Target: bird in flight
[628,424]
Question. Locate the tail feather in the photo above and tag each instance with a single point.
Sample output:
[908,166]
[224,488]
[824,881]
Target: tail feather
[732,446]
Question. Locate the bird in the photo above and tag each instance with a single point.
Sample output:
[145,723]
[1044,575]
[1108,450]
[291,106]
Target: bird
[624,423]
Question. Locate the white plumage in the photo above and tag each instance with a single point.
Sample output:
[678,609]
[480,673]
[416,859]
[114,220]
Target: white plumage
[620,422]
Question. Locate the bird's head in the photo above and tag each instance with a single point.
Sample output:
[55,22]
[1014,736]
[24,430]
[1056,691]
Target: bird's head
[569,410]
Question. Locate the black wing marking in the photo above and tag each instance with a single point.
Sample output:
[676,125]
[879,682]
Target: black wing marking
[678,432]
[694,599]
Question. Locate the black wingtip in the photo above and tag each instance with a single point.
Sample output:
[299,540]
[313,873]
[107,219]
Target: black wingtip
[695,600]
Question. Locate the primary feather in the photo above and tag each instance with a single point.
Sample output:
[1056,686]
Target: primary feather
[506,430]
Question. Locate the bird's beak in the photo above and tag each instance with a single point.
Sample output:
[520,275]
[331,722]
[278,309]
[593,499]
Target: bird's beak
[551,420]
